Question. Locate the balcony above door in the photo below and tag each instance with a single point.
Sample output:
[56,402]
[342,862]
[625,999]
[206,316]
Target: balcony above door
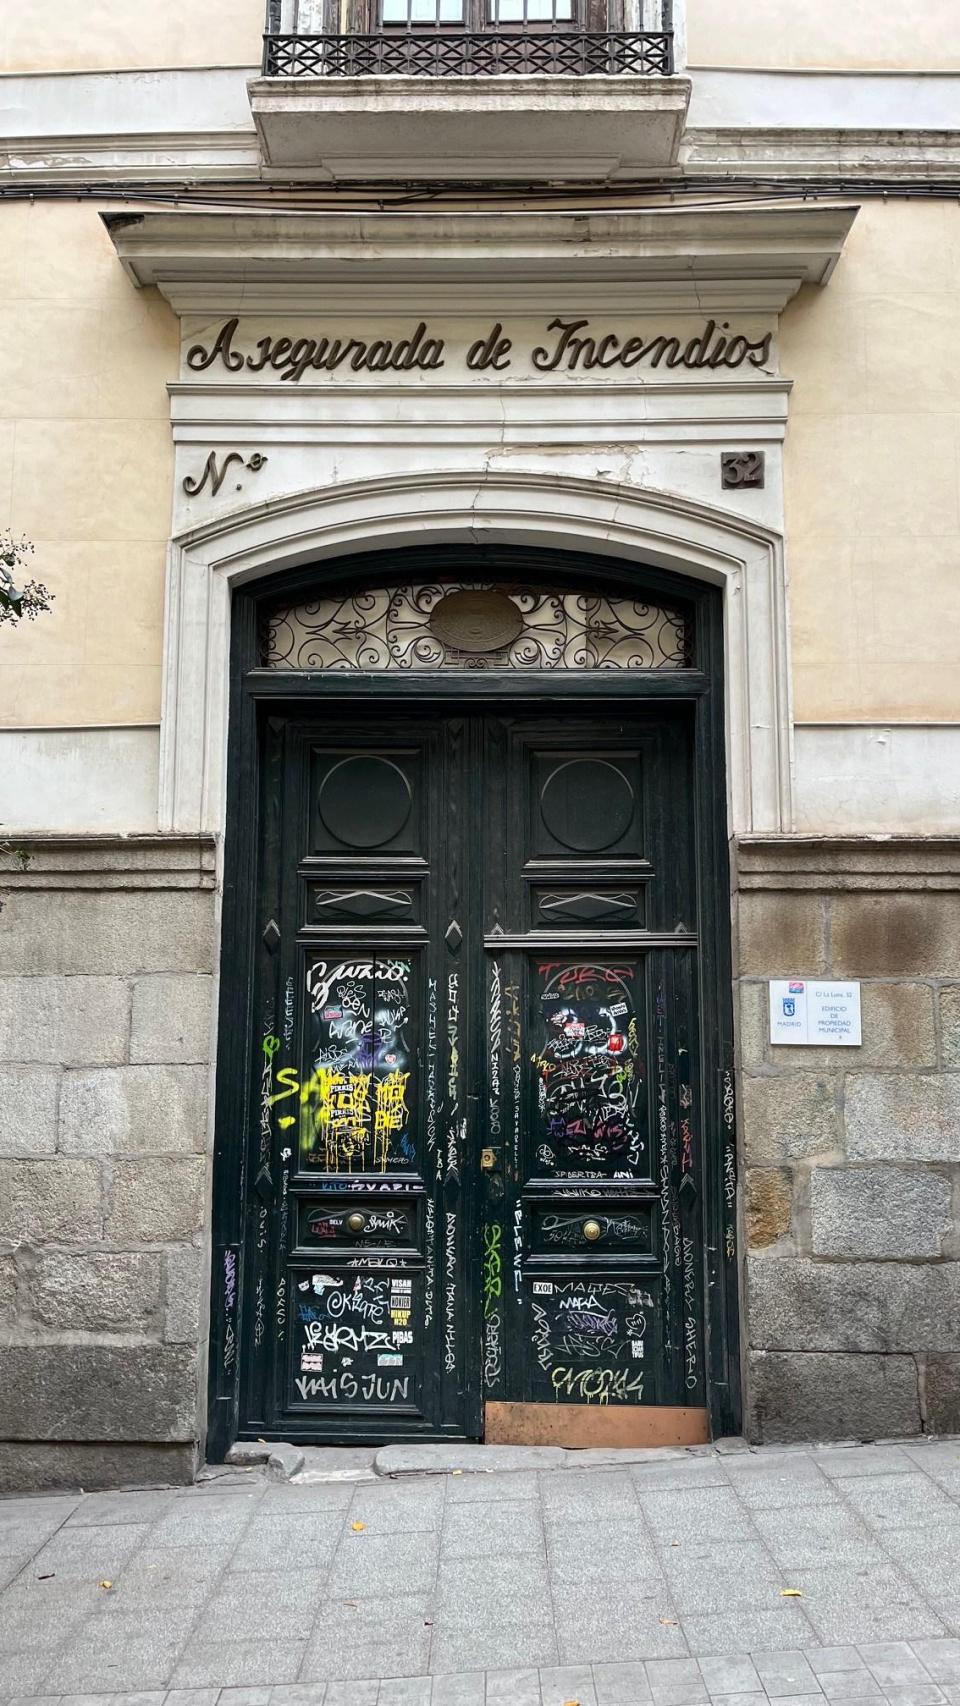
[467,90]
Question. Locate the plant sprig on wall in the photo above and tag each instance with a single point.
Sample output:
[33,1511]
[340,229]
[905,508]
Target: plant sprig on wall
[19,598]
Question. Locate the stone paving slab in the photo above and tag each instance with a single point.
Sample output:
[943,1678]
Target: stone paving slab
[896,1673]
[716,1576]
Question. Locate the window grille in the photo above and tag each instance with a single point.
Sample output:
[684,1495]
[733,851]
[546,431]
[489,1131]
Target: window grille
[475,625]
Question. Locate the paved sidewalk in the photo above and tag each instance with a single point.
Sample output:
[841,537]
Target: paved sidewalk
[603,1585]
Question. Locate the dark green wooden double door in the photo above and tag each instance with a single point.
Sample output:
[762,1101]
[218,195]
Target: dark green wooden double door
[473,1196]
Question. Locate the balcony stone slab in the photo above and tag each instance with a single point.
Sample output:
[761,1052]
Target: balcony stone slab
[505,127]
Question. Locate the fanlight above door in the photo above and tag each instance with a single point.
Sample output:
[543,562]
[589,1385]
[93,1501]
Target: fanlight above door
[475,625]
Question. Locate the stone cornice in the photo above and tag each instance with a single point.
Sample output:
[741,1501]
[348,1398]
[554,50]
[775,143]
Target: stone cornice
[855,155]
[108,862]
[822,154]
[761,253]
[192,125]
[157,157]
[828,862]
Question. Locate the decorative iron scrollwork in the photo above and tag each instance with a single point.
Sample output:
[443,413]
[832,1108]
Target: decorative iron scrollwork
[393,628]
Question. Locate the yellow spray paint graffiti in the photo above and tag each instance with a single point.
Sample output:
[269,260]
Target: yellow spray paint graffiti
[337,1113]
[390,1114]
[337,1121]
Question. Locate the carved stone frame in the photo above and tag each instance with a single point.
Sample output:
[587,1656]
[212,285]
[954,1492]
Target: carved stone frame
[547,510]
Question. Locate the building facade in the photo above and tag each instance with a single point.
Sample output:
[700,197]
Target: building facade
[497,467]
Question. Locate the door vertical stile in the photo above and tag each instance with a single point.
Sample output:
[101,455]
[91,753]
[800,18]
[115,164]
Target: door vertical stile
[449,854]
[476,794]
[289,1035]
[692,1176]
[261,1256]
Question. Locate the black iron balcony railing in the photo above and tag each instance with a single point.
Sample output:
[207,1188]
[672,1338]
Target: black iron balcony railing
[459,53]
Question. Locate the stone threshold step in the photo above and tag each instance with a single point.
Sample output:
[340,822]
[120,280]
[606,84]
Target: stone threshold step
[286,1462]
[305,1464]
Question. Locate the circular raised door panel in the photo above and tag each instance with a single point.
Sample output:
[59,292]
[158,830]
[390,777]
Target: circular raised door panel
[364,801]
[587,804]
[476,621]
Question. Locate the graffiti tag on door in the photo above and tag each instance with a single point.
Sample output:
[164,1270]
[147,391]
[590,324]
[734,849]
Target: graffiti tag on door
[588,1071]
[355,1339]
[591,1342]
[353,1104]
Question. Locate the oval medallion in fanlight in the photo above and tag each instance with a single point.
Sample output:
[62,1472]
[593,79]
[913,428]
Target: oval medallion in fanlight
[476,621]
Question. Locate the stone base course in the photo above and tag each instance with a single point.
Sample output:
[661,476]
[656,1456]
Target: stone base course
[941,1393]
[135,1392]
[851,1156]
[106,951]
[44,1466]
[795,1303]
[849,1159]
[824,1395]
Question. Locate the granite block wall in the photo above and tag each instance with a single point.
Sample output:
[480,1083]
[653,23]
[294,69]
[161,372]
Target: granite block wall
[850,1157]
[106,962]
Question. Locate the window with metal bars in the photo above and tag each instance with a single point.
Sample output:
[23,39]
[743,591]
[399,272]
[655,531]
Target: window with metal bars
[420,14]
[479,38]
[524,12]
[492,14]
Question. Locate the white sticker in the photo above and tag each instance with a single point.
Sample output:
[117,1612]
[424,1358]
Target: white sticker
[389,1359]
[543,1288]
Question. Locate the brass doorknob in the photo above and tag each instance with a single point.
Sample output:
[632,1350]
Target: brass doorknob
[356,1222]
[591,1230]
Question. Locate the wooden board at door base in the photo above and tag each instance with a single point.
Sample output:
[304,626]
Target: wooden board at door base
[580,1425]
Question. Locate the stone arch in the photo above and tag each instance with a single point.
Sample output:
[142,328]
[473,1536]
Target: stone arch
[629,523]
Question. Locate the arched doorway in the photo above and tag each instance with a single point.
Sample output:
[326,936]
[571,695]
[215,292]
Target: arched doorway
[475,1007]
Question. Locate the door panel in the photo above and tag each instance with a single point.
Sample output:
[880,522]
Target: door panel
[593,1293]
[355,1225]
[444,1209]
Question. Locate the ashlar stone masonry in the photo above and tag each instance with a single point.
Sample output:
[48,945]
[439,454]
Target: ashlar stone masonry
[106,955]
[851,1157]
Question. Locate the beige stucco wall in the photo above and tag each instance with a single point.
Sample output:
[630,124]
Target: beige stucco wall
[113,35]
[85,468]
[872,473]
[858,35]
